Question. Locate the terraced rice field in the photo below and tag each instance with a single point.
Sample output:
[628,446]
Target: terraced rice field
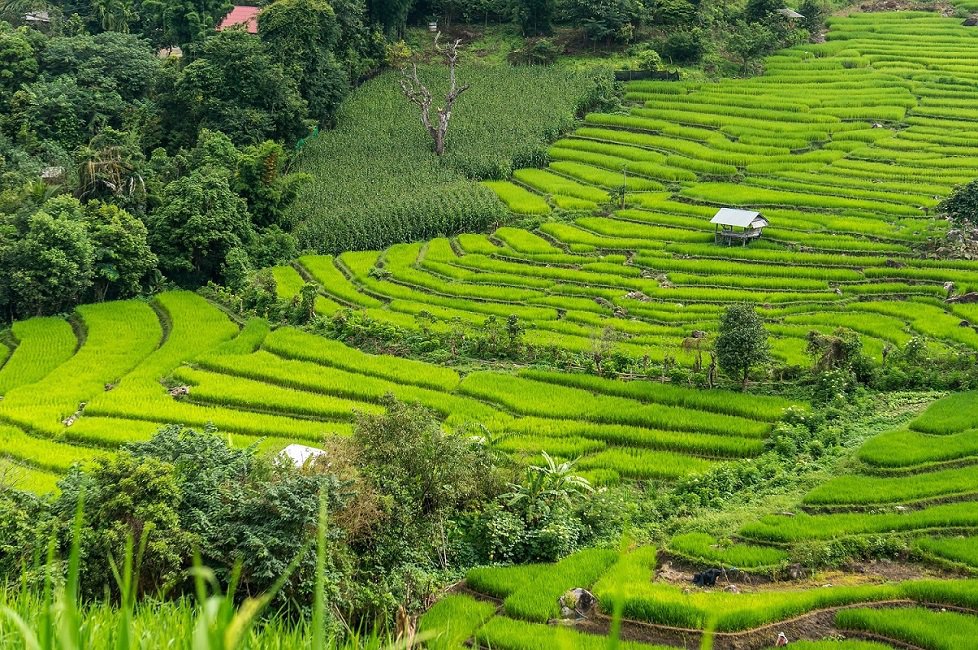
[845,146]
[918,482]
[910,484]
[508,608]
[106,382]
[933,507]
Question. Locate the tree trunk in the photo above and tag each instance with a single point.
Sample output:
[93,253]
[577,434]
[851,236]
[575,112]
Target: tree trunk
[419,94]
[439,137]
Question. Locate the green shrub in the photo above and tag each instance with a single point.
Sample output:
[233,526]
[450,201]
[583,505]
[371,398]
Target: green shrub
[682,45]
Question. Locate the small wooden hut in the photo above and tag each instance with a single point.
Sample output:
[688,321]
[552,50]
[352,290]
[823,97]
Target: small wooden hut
[733,226]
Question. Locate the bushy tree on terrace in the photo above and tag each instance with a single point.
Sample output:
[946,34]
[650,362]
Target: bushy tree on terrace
[961,208]
[235,86]
[604,20]
[761,10]
[45,261]
[742,342]
[201,221]
[122,260]
[749,41]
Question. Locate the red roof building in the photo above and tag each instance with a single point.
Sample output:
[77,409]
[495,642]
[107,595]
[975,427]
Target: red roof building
[241,15]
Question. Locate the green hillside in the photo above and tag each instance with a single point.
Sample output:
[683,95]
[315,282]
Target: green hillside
[505,362]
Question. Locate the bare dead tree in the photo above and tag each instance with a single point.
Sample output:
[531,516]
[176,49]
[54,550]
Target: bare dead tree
[419,94]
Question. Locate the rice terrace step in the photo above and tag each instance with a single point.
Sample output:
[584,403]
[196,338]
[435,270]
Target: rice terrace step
[827,511]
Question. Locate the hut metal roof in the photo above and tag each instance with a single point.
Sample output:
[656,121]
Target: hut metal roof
[790,13]
[298,455]
[738,218]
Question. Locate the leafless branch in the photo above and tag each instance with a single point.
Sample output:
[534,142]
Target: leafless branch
[418,93]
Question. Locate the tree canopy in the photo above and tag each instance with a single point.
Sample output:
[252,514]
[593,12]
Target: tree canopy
[302,36]
[742,342]
[181,22]
[235,86]
[201,220]
[63,252]
[46,262]
[961,208]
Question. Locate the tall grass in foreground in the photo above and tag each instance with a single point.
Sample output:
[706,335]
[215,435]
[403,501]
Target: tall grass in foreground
[56,618]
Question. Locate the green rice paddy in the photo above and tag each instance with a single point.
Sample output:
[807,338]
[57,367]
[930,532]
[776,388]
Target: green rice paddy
[287,386]
[846,146]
